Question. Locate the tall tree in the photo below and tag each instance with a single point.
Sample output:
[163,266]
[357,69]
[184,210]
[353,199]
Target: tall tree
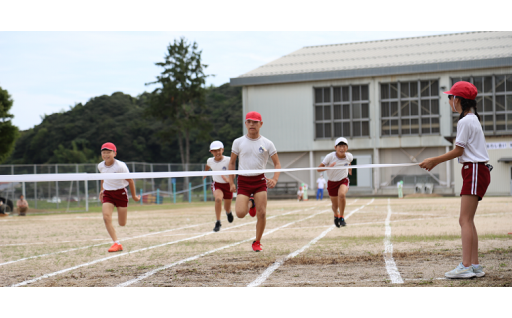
[8,132]
[180,100]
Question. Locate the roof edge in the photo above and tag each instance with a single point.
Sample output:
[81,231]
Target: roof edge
[370,72]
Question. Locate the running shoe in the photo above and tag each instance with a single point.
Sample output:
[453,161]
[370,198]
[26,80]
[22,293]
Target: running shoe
[252,209]
[256,246]
[336,221]
[217,226]
[479,271]
[342,221]
[461,272]
[230,217]
[115,248]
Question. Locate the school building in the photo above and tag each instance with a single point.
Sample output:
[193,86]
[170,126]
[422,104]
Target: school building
[386,98]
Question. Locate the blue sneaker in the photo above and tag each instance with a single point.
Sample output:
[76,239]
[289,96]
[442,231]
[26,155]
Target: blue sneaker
[479,271]
[461,272]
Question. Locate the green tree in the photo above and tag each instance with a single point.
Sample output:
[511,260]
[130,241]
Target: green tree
[180,101]
[8,132]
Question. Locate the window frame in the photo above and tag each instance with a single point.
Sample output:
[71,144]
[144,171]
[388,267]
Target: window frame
[341,103]
[400,101]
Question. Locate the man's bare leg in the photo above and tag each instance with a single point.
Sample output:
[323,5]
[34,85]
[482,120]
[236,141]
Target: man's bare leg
[241,206]
[260,199]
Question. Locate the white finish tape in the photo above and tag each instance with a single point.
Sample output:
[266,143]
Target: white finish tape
[154,175]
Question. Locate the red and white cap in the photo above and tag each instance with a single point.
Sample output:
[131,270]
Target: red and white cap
[253,116]
[109,146]
[341,139]
[216,145]
[463,89]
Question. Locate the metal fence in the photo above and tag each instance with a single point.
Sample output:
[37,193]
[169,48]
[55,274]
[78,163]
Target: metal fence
[78,195]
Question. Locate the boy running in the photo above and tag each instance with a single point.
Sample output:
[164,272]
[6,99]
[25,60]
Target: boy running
[113,192]
[221,185]
[338,183]
[253,150]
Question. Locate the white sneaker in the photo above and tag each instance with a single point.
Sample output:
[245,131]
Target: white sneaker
[479,272]
[461,272]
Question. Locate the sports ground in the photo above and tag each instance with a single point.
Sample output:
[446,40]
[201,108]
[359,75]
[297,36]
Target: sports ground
[387,242]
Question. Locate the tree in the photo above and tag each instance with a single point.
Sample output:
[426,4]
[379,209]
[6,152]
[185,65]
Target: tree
[180,101]
[8,132]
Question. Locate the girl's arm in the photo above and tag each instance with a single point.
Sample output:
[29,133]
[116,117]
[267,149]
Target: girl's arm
[429,163]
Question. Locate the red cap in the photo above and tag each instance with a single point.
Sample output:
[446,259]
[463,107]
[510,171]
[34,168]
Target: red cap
[253,116]
[463,89]
[109,146]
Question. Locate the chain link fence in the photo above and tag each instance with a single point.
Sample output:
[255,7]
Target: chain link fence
[77,196]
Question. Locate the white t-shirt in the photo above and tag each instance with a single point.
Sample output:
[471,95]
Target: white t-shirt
[337,175]
[321,182]
[117,167]
[253,154]
[470,136]
[218,166]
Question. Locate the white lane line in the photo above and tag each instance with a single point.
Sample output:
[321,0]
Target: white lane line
[136,251]
[95,245]
[258,281]
[150,273]
[393,272]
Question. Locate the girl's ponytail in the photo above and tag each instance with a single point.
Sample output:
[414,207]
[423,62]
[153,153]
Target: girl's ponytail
[466,105]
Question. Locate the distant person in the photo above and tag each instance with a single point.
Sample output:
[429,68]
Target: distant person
[221,186]
[470,149]
[338,181]
[300,194]
[253,151]
[22,205]
[320,185]
[113,192]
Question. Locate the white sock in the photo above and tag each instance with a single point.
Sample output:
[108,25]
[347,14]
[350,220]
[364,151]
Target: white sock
[475,266]
[117,242]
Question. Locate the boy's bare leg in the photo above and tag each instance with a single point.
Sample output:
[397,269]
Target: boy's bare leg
[122,215]
[342,198]
[218,202]
[334,201]
[468,206]
[241,205]
[474,252]
[107,209]
[260,199]
[227,205]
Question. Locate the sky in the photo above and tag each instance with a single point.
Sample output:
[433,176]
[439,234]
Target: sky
[55,53]
[47,72]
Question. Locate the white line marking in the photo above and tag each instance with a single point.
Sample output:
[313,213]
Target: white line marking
[150,273]
[276,264]
[95,245]
[393,272]
[136,251]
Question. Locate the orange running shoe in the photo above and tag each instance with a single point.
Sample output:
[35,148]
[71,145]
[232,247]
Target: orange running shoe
[256,246]
[115,248]
[252,209]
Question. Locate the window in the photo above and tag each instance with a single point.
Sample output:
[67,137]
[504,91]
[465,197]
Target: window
[409,108]
[342,111]
[493,102]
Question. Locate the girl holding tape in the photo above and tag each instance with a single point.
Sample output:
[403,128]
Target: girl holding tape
[470,149]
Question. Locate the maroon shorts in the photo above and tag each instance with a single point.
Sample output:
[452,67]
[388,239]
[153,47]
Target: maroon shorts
[250,185]
[118,198]
[475,179]
[224,187]
[333,186]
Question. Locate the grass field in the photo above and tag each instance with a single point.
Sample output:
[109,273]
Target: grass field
[387,242]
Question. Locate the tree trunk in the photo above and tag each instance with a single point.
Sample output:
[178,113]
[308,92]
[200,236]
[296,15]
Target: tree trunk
[184,163]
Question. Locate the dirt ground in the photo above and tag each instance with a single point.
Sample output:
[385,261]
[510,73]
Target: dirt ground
[178,248]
